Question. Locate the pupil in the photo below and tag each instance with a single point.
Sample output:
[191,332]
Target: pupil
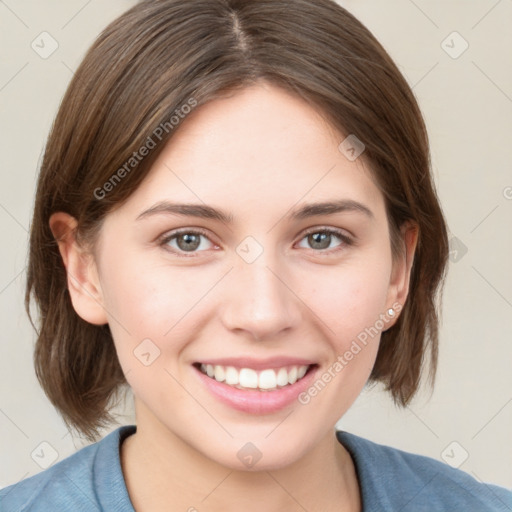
[190,242]
[320,240]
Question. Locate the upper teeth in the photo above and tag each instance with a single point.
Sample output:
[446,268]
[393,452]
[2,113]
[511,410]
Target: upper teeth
[249,378]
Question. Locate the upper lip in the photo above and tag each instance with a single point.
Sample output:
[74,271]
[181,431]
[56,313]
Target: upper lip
[258,364]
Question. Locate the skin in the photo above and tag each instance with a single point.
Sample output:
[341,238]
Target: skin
[256,154]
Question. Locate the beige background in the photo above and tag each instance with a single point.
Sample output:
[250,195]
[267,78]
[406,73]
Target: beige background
[467,102]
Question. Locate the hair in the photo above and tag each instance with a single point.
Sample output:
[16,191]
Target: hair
[143,69]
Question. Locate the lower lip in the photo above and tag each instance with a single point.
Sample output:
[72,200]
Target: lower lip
[254,401]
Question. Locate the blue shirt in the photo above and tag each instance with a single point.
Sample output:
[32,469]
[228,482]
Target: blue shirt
[390,480]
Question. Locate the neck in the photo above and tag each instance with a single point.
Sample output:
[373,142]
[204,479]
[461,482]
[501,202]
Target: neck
[162,472]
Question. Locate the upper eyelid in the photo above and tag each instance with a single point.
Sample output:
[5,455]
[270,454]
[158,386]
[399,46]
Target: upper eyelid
[316,229]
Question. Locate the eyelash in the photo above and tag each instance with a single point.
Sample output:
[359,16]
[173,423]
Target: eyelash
[347,241]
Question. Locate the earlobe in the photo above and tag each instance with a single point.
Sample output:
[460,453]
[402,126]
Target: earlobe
[401,274]
[82,276]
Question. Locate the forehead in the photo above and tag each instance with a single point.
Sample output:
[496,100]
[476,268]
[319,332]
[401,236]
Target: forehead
[260,149]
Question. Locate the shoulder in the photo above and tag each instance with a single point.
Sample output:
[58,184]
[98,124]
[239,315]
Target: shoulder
[393,479]
[90,479]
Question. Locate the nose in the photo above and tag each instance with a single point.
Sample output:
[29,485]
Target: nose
[261,300]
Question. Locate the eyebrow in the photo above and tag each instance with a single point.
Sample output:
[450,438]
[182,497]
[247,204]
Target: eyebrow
[204,211]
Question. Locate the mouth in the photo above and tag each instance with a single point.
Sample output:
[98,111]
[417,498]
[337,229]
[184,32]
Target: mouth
[253,386]
[246,378]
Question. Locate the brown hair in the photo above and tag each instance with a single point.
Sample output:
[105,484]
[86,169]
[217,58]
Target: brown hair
[144,67]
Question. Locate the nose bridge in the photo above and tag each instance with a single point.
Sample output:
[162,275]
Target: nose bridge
[260,301]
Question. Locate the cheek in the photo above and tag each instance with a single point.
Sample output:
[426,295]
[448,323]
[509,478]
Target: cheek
[350,299]
[153,300]
[150,308]
[350,302]
[160,303]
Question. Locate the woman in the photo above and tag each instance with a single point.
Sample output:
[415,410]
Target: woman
[235,218]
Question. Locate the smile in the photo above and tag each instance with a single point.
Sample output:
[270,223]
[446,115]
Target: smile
[256,386]
[249,378]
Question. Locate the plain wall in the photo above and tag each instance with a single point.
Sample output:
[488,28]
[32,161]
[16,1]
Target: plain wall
[467,103]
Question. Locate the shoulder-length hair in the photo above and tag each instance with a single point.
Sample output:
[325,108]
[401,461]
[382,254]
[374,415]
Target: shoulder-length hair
[137,75]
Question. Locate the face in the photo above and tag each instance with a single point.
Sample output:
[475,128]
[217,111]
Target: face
[257,297]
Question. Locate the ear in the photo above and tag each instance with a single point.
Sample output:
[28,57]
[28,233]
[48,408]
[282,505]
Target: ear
[82,276]
[401,273]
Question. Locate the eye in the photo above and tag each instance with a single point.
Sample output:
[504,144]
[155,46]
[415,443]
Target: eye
[185,241]
[190,240]
[321,239]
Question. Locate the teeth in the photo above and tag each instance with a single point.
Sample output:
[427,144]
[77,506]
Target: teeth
[267,379]
[220,374]
[231,376]
[301,372]
[292,375]
[282,377]
[247,378]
